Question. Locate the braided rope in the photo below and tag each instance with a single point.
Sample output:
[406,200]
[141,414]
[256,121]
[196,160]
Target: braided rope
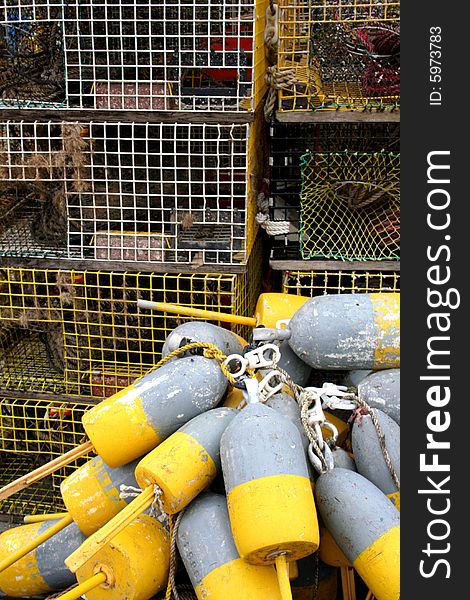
[210,351]
[171,587]
[272,228]
[277,80]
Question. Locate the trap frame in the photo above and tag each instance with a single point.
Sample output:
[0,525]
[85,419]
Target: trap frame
[339,54]
[170,55]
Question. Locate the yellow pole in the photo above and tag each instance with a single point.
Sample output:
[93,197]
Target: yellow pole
[15,556]
[188,311]
[100,538]
[26,480]
[282,569]
[84,587]
[45,517]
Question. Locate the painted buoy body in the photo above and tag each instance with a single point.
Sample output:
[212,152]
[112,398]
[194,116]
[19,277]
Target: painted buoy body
[188,461]
[354,378]
[342,459]
[288,407]
[270,499]
[382,390]
[206,546]
[42,570]
[298,370]
[274,307]
[330,553]
[142,415]
[368,454]
[366,527]
[314,576]
[348,331]
[136,562]
[200,331]
[91,493]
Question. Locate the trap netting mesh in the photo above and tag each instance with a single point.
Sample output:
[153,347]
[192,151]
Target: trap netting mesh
[350,205]
[342,54]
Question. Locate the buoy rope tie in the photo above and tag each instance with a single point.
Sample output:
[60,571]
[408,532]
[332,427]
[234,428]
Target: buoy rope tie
[171,586]
[210,351]
[366,409]
[277,80]
[156,510]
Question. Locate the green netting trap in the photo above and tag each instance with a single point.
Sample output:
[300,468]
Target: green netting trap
[350,205]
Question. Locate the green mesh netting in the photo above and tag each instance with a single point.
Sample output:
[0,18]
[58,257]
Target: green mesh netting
[350,205]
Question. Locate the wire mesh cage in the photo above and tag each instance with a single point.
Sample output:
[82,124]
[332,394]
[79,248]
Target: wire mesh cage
[289,141]
[339,54]
[317,283]
[350,205]
[134,54]
[80,333]
[156,193]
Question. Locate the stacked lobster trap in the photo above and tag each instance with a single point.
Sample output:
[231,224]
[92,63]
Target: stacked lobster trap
[141,184]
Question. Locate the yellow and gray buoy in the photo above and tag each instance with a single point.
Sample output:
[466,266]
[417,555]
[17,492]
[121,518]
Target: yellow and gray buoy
[382,390]
[200,331]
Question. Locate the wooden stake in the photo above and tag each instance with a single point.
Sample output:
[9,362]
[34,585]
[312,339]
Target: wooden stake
[26,480]
[103,536]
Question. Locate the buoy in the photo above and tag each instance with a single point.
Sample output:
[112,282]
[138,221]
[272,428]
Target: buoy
[368,454]
[295,367]
[42,570]
[270,500]
[348,331]
[288,407]
[366,527]
[342,459]
[353,378]
[182,466]
[316,580]
[330,553]
[214,566]
[142,415]
[91,494]
[135,564]
[382,390]
[200,331]
[270,309]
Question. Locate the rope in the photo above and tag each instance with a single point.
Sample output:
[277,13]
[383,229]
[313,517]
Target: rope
[380,434]
[277,80]
[272,228]
[156,511]
[210,351]
[171,587]
[361,194]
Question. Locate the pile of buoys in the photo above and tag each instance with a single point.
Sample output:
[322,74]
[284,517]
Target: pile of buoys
[305,494]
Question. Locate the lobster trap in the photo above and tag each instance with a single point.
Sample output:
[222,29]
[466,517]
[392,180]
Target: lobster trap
[33,432]
[350,205]
[288,143]
[318,283]
[127,192]
[167,55]
[339,54]
[80,333]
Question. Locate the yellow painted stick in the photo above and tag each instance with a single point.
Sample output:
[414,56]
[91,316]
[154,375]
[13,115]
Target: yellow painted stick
[370,595]
[26,480]
[45,517]
[187,311]
[352,583]
[345,583]
[84,587]
[40,539]
[95,542]
[282,569]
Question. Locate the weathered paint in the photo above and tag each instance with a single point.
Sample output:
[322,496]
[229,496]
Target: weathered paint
[365,525]
[288,407]
[274,307]
[382,390]
[91,493]
[136,563]
[42,570]
[343,460]
[188,461]
[211,559]
[395,498]
[295,367]
[387,321]
[142,415]
[368,455]
[347,331]
[353,378]
[270,497]
[200,331]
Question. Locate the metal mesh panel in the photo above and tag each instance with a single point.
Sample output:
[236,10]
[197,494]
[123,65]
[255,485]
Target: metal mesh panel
[340,53]
[129,192]
[133,54]
[289,142]
[81,333]
[317,283]
[350,206]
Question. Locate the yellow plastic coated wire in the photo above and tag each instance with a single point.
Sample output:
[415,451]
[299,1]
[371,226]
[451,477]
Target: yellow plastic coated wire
[40,539]
[84,587]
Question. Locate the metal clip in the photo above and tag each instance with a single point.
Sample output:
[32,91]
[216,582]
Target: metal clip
[316,418]
[316,462]
[334,396]
[236,365]
[267,390]
[265,356]
[251,393]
